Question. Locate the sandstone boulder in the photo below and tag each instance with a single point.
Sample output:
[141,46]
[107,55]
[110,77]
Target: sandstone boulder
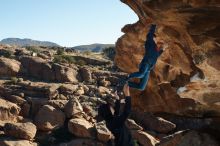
[64,74]
[82,142]
[189,138]
[80,91]
[38,68]
[9,67]
[103,134]
[80,127]
[36,104]
[144,138]
[8,111]
[85,74]
[154,123]
[17,143]
[49,118]
[25,110]
[20,130]
[73,108]
[16,99]
[206,93]
[58,104]
[67,89]
[132,125]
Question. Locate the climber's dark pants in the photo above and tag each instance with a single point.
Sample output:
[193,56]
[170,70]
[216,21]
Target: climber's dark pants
[143,74]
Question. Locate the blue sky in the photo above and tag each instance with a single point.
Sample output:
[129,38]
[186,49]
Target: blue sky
[66,22]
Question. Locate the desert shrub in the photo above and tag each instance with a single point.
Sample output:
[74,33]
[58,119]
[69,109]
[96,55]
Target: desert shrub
[33,49]
[64,59]
[68,59]
[109,52]
[6,53]
[87,52]
[60,51]
[81,62]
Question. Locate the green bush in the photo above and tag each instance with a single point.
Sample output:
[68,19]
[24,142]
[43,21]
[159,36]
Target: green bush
[64,59]
[81,62]
[6,53]
[87,52]
[33,49]
[68,59]
[60,51]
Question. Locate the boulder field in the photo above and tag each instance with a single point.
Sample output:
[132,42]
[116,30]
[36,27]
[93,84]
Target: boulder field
[48,99]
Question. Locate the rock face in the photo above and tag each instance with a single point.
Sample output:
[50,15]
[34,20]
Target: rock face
[17,143]
[8,111]
[82,142]
[144,138]
[154,123]
[85,74]
[9,67]
[73,108]
[80,127]
[190,138]
[193,47]
[39,68]
[103,134]
[64,74]
[20,130]
[49,118]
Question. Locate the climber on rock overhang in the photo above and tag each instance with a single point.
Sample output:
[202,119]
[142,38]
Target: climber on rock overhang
[154,47]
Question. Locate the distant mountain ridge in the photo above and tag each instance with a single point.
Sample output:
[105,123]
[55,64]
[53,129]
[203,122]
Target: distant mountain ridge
[92,47]
[96,47]
[27,42]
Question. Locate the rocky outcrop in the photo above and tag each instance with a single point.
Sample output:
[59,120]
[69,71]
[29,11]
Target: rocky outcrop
[82,142]
[132,125]
[86,74]
[80,127]
[48,118]
[154,123]
[9,67]
[20,130]
[8,111]
[186,138]
[64,74]
[144,138]
[73,108]
[193,47]
[39,68]
[17,143]
[103,134]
